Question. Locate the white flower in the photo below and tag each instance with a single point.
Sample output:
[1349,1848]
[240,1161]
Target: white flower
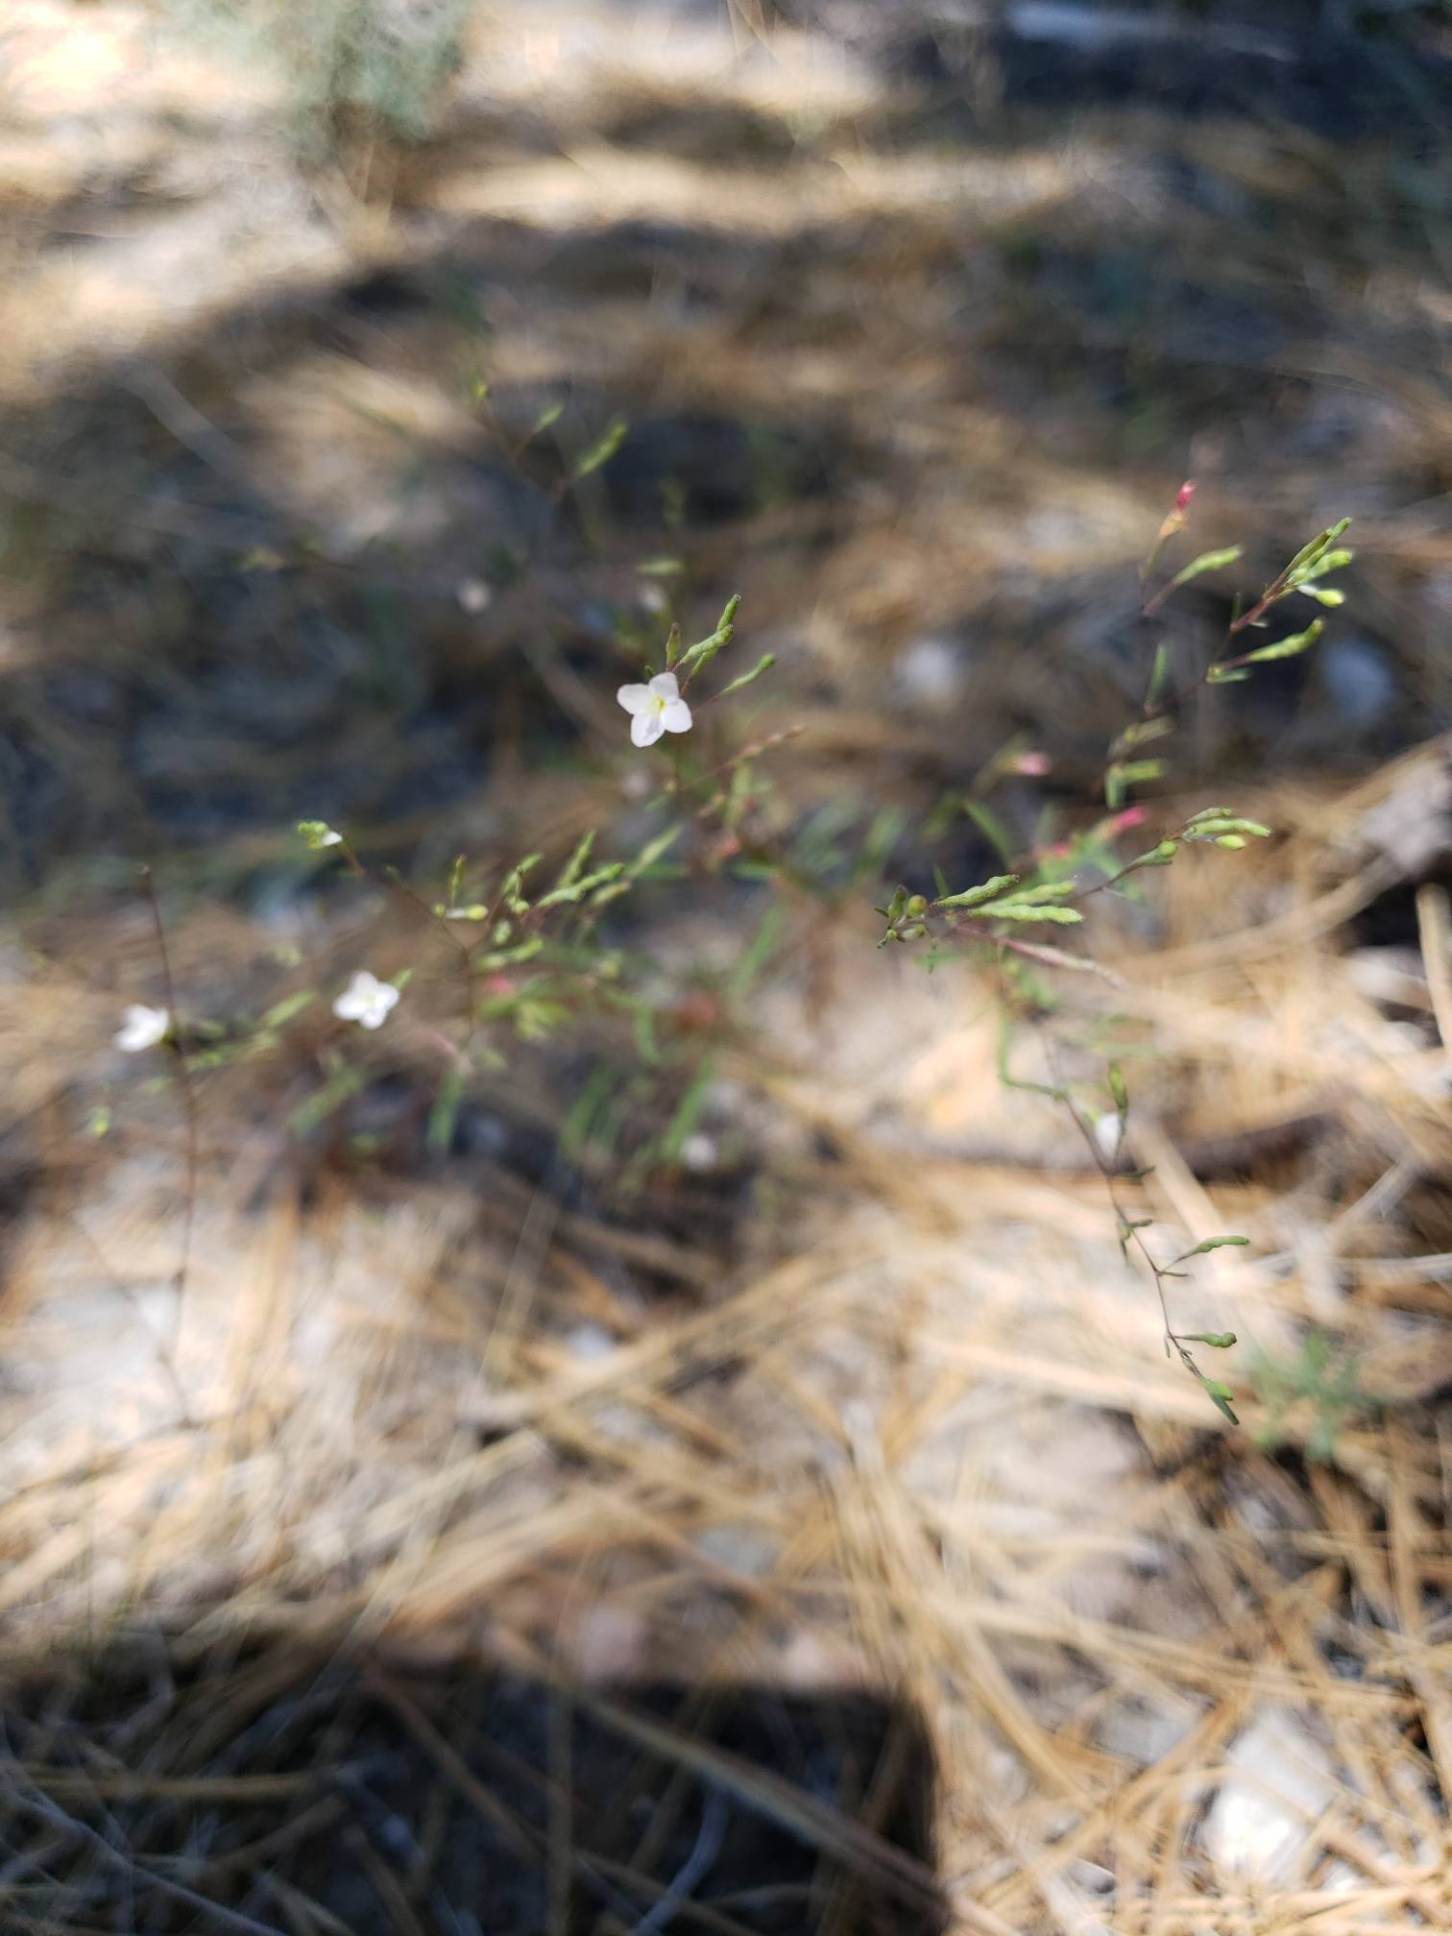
[655,709]
[142,1028]
[1109,1134]
[366,1000]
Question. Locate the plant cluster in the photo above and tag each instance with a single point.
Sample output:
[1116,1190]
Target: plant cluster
[533,949]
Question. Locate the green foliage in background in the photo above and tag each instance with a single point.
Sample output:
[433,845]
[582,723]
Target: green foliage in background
[382,63]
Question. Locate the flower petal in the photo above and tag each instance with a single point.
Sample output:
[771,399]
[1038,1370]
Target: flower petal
[142,1028]
[634,699]
[646,728]
[665,685]
[676,716]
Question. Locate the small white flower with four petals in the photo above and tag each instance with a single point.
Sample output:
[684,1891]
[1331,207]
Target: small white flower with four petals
[142,1028]
[655,709]
[366,1000]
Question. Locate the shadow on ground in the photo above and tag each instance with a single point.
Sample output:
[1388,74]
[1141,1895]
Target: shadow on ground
[275,1792]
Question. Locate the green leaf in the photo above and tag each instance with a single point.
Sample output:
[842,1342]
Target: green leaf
[444,1115]
[1159,674]
[704,650]
[1225,675]
[1290,648]
[1207,826]
[285,1010]
[344,1083]
[688,1111]
[1217,1340]
[652,851]
[575,865]
[577,890]
[991,827]
[602,450]
[1124,774]
[1308,553]
[1220,1396]
[1028,911]
[1160,856]
[1210,1243]
[1117,1089]
[975,896]
[1141,733]
[1328,561]
[753,962]
[763,664]
[1045,891]
[510,887]
[1207,561]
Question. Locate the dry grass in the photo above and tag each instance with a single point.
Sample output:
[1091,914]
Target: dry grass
[933,1450]
[891,1415]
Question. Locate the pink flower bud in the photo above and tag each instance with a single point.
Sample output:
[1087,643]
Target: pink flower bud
[1033,766]
[1183,496]
[1123,822]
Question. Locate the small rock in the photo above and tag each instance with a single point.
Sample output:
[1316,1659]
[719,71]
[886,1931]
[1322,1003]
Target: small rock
[1278,1784]
[931,671]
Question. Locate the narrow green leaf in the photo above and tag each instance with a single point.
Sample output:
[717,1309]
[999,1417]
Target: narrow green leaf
[1207,827]
[1141,733]
[1217,1340]
[1029,911]
[991,827]
[444,1114]
[1288,648]
[1207,561]
[1124,774]
[763,664]
[575,865]
[1210,1243]
[652,851]
[975,896]
[602,450]
[1323,541]
[1159,675]
[283,1011]
[1220,1396]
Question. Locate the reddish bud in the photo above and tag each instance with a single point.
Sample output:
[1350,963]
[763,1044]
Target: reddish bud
[1183,496]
